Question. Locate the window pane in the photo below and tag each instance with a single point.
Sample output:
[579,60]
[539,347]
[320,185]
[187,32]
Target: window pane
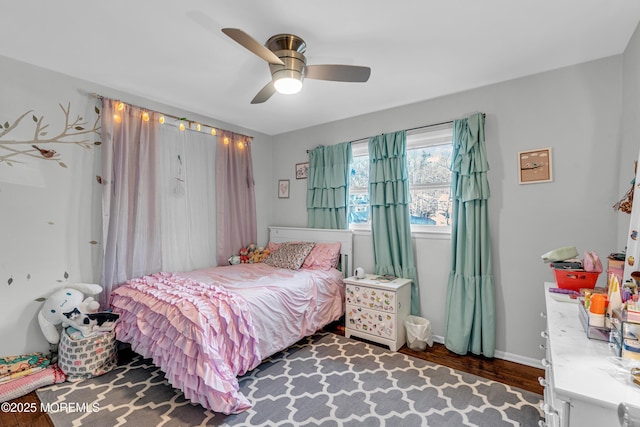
[358,208]
[429,165]
[360,172]
[431,206]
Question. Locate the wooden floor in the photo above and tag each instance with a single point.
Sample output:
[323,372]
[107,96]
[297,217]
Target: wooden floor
[510,373]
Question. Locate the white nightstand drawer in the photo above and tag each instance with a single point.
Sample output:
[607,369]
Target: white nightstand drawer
[371,322]
[367,297]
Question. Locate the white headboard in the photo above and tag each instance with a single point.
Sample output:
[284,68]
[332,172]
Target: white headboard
[318,235]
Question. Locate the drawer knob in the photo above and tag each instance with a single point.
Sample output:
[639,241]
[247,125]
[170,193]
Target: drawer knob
[542,381]
[545,363]
[543,347]
[544,334]
[547,409]
[543,314]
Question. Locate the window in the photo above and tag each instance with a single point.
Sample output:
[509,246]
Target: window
[429,154]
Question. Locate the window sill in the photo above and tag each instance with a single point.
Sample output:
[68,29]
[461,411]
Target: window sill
[424,233]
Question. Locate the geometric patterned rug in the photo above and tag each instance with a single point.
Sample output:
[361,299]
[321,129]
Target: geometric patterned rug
[323,380]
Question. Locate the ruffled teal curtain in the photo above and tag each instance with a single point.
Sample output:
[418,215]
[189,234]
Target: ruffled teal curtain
[328,186]
[470,304]
[390,220]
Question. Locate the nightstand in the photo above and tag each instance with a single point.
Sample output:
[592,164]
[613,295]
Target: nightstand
[376,309]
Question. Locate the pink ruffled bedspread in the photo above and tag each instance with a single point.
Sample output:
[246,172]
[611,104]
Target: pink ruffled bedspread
[200,335]
[203,328]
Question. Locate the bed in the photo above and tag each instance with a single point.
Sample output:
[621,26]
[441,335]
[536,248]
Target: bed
[206,327]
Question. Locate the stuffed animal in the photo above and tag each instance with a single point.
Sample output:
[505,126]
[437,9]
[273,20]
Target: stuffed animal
[244,255]
[60,305]
[234,259]
[254,256]
[90,324]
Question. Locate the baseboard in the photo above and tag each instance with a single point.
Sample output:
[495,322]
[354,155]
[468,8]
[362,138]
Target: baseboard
[528,361]
[535,363]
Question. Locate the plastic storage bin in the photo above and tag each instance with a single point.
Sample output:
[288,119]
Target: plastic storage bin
[418,333]
[601,333]
[631,349]
[574,279]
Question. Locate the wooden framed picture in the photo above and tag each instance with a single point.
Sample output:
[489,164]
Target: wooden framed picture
[302,170]
[535,166]
[283,189]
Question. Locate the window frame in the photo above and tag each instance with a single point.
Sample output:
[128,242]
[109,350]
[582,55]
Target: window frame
[416,139]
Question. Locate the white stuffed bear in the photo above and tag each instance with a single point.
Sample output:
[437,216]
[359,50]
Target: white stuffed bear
[63,301]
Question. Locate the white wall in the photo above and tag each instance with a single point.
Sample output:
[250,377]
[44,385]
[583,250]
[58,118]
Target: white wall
[630,129]
[49,214]
[576,111]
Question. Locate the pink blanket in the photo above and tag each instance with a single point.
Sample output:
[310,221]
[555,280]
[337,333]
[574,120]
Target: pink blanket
[203,328]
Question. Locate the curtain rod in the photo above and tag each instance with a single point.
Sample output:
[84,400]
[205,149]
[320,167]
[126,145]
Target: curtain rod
[415,128]
[189,121]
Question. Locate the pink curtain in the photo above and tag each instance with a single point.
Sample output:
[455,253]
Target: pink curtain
[235,195]
[130,213]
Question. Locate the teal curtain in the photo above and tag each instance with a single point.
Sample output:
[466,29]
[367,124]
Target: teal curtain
[470,304]
[390,220]
[328,186]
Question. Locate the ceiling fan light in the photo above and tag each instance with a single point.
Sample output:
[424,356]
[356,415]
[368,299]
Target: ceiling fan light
[288,85]
[287,81]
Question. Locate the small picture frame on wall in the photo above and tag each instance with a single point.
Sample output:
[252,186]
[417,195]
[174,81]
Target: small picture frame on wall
[535,166]
[302,170]
[283,189]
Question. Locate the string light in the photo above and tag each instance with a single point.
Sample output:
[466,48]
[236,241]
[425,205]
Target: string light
[146,116]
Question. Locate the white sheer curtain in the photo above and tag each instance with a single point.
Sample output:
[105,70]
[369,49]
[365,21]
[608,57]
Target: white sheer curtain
[158,198]
[187,185]
[131,224]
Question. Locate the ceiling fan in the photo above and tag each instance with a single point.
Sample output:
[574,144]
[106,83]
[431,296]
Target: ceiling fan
[288,65]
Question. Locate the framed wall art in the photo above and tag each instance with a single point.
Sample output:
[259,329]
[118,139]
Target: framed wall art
[283,189]
[535,166]
[302,170]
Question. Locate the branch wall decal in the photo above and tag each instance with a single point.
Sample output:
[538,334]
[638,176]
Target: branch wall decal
[13,150]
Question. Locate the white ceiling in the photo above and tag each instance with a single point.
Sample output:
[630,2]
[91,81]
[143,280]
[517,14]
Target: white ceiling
[173,52]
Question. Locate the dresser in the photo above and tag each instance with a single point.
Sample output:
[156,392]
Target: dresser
[583,385]
[376,309]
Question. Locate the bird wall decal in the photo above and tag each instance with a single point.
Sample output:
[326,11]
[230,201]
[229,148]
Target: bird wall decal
[47,154]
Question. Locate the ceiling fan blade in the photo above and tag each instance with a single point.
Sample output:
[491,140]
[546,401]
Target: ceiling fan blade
[254,46]
[264,94]
[338,73]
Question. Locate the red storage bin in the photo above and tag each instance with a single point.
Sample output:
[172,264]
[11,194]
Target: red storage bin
[575,280]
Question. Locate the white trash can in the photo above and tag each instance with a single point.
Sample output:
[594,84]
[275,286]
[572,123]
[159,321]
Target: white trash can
[418,333]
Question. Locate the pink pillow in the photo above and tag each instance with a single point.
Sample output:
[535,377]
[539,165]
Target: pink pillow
[323,256]
[273,246]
